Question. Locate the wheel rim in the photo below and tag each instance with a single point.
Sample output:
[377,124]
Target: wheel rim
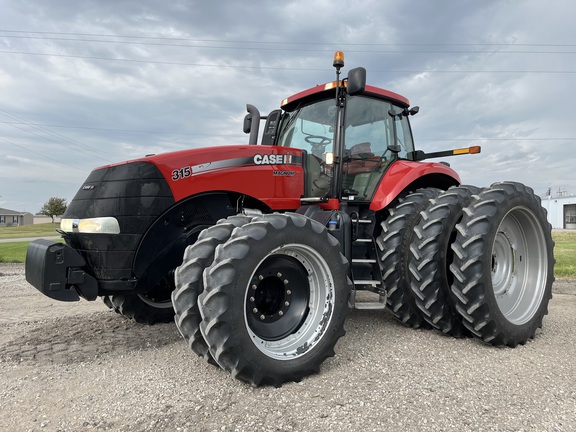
[519,270]
[160,296]
[165,304]
[288,302]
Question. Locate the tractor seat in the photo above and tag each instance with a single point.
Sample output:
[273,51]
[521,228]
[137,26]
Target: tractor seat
[361,159]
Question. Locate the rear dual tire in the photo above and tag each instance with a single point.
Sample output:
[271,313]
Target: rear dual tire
[503,265]
[431,256]
[394,254]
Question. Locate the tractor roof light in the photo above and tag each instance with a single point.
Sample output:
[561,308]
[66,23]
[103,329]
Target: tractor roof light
[338,60]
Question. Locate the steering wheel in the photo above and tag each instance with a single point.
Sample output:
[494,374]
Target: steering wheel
[318,144]
[317,140]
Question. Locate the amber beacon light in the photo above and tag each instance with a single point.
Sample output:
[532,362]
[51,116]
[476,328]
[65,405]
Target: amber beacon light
[338,59]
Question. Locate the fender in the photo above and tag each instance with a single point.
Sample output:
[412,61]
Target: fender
[162,246]
[407,175]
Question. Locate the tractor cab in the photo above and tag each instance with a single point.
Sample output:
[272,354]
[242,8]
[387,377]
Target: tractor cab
[350,133]
[349,140]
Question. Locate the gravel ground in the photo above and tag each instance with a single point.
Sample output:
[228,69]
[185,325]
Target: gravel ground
[81,367]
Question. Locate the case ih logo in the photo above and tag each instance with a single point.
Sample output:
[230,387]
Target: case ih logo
[272,159]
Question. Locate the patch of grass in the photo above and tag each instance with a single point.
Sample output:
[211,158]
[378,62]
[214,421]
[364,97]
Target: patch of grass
[565,254]
[564,251]
[13,252]
[38,230]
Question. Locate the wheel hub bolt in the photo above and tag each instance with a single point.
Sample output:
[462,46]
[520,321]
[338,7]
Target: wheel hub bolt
[252,299]
[288,292]
[254,287]
[262,317]
[260,277]
[285,281]
[280,313]
[255,310]
[279,274]
[286,303]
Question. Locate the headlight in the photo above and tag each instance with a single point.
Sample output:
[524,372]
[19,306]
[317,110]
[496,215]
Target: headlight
[101,225]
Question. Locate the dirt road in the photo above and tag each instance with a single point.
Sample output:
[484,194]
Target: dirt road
[80,367]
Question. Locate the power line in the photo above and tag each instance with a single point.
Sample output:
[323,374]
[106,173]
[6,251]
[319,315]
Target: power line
[159,62]
[56,142]
[76,145]
[124,130]
[36,153]
[252,48]
[497,44]
[496,139]
[281,68]
[236,135]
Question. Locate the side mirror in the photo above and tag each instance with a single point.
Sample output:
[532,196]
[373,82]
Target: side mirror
[356,81]
[247,123]
[248,127]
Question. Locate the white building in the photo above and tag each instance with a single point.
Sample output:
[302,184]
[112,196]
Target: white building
[561,211]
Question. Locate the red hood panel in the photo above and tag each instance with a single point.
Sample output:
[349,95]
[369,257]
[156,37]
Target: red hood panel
[254,170]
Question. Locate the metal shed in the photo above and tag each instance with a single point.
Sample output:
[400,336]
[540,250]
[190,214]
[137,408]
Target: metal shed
[561,210]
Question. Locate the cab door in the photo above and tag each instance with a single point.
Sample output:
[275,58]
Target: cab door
[311,129]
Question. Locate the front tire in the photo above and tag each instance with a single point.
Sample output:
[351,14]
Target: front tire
[503,264]
[275,299]
[189,284]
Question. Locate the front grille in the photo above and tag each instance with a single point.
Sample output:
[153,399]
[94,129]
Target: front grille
[135,194]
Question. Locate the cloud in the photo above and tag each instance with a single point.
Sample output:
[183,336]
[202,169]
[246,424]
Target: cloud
[118,80]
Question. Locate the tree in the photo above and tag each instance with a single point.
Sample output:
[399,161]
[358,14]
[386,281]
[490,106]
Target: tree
[54,207]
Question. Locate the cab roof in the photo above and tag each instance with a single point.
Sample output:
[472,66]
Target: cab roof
[321,91]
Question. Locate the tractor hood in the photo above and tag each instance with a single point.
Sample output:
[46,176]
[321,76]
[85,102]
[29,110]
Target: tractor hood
[246,169]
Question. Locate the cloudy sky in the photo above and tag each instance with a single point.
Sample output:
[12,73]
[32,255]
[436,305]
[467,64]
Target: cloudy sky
[86,83]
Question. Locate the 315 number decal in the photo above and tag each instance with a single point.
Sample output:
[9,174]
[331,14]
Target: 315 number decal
[182,173]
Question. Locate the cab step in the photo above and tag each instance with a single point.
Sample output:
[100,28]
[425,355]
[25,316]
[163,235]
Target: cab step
[370,306]
[364,300]
[372,283]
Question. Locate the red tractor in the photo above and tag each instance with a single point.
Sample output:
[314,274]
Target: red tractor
[258,251]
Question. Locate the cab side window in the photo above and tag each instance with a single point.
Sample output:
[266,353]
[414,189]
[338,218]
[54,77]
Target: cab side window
[368,121]
[404,136]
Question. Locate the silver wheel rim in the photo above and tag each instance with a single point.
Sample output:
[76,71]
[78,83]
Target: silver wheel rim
[158,305]
[320,302]
[519,265]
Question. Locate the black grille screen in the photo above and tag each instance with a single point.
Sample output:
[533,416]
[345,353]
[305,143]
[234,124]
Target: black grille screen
[135,194]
